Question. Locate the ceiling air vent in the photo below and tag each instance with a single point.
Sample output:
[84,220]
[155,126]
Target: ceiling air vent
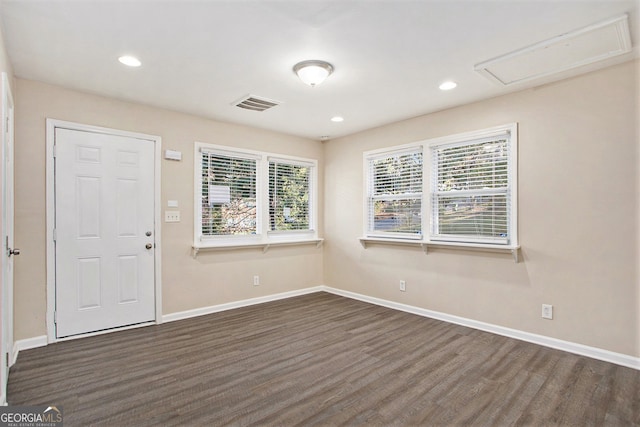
[570,50]
[255,103]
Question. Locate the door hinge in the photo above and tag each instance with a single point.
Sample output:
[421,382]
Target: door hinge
[6,359]
[55,234]
[55,317]
[54,151]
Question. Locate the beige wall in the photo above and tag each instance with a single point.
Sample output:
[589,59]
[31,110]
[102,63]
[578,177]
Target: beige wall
[214,277]
[579,209]
[578,217]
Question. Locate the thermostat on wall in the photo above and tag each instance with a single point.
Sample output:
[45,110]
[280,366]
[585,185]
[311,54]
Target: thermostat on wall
[172,155]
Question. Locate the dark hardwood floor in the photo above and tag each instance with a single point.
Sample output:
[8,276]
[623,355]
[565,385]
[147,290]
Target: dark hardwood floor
[320,359]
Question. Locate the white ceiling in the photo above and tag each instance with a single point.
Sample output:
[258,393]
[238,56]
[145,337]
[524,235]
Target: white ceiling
[199,57]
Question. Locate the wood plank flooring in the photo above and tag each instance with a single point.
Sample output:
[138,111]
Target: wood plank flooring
[320,359]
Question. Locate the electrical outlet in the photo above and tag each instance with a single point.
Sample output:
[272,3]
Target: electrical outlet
[547,311]
[256,280]
[171,216]
[403,285]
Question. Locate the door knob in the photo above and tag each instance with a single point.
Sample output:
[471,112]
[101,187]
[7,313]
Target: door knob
[14,251]
[148,246]
[148,233]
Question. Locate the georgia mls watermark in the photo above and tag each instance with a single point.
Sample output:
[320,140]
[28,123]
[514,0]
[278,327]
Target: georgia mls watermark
[30,416]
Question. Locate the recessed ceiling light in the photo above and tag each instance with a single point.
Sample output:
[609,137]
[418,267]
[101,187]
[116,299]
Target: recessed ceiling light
[130,61]
[448,85]
[337,119]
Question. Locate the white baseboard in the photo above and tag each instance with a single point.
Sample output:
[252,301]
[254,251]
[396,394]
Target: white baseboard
[583,350]
[568,346]
[237,304]
[27,344]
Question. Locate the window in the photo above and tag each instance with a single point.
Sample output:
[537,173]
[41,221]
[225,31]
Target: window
[237,191]
[289,196]
[464,193]
[394,200]
[471,190]
[228,194]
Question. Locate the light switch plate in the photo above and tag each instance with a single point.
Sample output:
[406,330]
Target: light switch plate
[171,216]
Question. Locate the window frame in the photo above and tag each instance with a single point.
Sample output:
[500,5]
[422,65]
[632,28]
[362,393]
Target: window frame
[428,146]
[263,236]
[466,139]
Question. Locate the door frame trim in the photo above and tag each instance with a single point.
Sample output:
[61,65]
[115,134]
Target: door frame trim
[52,124]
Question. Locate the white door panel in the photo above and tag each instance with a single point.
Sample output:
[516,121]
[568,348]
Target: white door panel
[104,205]
[7,229]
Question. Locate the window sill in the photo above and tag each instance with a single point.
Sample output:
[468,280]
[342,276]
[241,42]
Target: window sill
[424,245]
[258,245]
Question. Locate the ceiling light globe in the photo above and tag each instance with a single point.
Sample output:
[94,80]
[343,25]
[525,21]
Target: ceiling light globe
[313,72]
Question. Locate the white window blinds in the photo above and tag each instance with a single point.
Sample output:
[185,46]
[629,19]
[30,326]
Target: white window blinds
[289,196]
[228,194]
[395,193]
[470,191]
[246,197]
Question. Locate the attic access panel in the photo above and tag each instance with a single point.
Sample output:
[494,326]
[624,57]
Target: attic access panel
[567,51]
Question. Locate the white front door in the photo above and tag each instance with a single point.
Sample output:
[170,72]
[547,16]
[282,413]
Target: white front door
[104,231]
[8,251]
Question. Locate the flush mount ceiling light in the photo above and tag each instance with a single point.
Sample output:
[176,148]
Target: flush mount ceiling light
[130,61]
[337,119]
[313,72]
